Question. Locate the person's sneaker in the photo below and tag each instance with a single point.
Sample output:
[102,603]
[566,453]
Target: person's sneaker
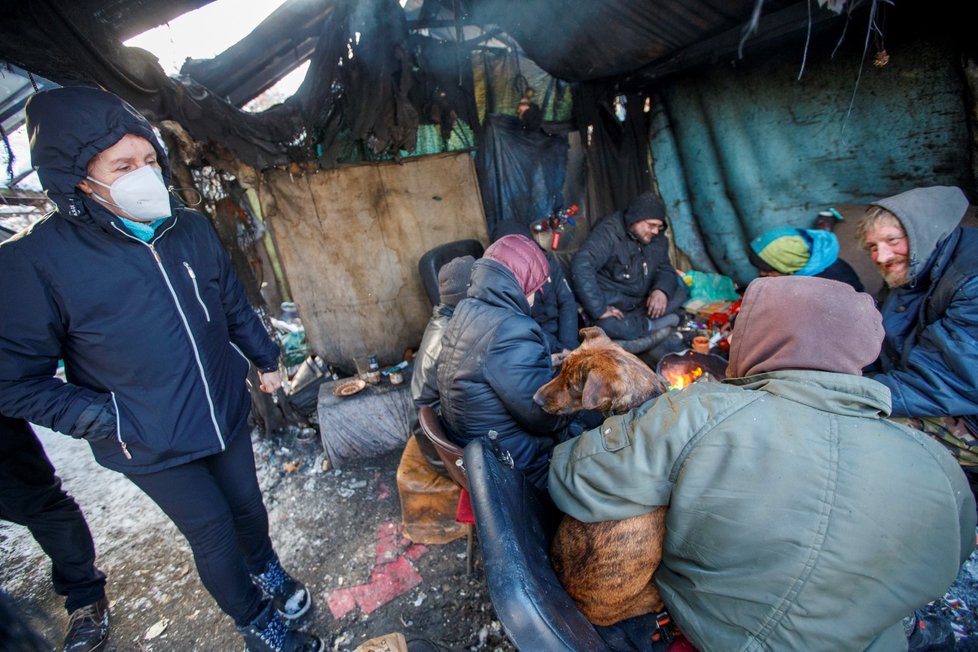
[289,594]
[930,633]
[270,632]
[88,627]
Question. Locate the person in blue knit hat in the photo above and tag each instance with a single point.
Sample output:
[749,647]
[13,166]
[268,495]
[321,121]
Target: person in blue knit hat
[788,251]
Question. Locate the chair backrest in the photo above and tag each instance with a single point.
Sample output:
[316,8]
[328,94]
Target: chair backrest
[432,260]
[449,452]
[516,522]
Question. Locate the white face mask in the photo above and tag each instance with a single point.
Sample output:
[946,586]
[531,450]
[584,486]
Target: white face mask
[141,194]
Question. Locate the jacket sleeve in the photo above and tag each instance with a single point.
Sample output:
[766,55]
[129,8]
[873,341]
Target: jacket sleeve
[424,381]
[517,365]
[244,327]
[31,336]
[626,466]
[589,259]
[941,374]
[566,309]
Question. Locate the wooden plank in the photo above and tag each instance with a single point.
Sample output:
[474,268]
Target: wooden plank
[350,240]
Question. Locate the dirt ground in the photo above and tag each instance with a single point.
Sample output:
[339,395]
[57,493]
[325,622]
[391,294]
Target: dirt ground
[336,529]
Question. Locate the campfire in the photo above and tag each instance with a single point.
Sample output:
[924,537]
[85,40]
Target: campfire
[675,379]
[681,370]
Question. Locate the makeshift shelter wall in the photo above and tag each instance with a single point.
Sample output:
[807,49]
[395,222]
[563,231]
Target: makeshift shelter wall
[739,151]
[522,172]
[350,239]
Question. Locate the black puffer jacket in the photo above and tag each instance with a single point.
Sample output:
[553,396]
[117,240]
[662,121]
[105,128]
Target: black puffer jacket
[155,336]
[611,268]
[494,357]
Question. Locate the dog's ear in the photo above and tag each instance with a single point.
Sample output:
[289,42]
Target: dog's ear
[595,396]
[593,335]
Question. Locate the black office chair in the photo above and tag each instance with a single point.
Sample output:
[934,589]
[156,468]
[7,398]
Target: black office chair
[432,260]
[516,522]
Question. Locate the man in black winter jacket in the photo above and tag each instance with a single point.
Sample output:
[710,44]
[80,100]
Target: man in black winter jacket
[622,275]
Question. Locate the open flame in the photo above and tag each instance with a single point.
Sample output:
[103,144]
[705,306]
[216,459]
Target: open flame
[675,379]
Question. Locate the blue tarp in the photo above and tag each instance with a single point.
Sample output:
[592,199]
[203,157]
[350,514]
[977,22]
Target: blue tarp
[521,172]
[741,150]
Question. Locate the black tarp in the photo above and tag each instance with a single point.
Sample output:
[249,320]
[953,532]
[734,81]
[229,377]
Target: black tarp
[521,172]
[617,151]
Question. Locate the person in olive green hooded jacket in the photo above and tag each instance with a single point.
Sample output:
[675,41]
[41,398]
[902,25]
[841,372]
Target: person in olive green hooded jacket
[800,518]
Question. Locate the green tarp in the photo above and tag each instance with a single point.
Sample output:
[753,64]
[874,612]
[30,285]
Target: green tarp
[739,150]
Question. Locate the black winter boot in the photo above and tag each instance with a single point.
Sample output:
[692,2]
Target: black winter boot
[88,627]
[289,594]
[270,632]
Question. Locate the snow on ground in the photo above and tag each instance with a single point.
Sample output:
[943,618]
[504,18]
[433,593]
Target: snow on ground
[337,530]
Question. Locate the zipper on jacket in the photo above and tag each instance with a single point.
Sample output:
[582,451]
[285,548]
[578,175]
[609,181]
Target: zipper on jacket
[186,327]
[193,279]
[118,428]
[240,352]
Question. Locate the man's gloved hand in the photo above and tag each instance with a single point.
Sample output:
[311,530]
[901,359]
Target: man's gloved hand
[97,421]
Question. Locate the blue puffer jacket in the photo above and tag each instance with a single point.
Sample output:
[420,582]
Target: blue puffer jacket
[494,357]
[930,354]
[155,336]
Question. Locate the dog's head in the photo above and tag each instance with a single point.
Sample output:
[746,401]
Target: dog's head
[599,375]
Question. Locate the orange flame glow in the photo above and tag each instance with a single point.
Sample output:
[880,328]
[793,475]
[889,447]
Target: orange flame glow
[677,380]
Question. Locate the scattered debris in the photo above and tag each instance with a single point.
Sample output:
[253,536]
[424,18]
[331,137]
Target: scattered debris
[157,629]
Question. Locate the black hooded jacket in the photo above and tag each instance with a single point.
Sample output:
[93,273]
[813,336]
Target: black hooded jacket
[155,336]
[612,268]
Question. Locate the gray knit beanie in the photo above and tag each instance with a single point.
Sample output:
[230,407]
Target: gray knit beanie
[453,279]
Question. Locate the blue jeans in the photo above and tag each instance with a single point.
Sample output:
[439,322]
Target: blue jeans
[217,505]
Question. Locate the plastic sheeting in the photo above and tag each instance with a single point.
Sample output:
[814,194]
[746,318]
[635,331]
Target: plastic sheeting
[521,172]
[591,39]
[373,422]
[617,150]
[739,151]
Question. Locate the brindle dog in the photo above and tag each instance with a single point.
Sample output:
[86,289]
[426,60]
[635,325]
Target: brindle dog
[606,567]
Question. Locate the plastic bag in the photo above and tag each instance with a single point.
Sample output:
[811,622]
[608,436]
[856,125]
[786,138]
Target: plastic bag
[710,287]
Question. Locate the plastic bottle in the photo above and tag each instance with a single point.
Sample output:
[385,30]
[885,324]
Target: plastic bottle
[373,375]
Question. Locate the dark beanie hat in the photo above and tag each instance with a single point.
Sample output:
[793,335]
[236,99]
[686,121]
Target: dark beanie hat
[645,206]
[453,279]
